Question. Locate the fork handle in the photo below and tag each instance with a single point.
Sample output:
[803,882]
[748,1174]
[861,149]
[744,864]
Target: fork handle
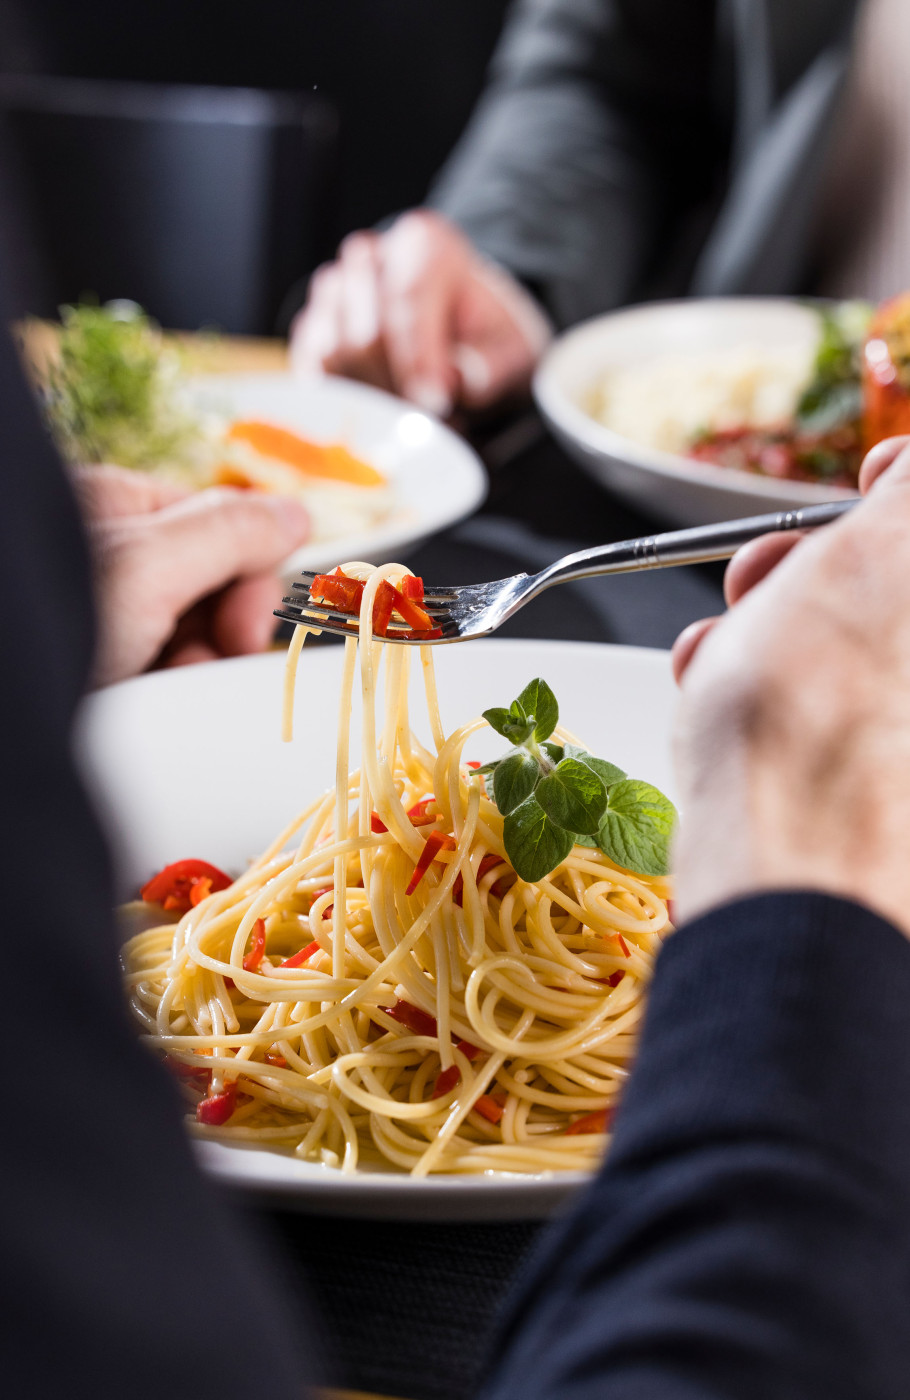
[698,545]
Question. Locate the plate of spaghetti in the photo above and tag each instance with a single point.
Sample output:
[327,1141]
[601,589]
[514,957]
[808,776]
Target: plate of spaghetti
[380,994]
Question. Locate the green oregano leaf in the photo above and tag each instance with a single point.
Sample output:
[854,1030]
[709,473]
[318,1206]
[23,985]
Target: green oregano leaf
[573,796]
[636,829]
[537,699]
[533,844]
[607,772]
[515,779]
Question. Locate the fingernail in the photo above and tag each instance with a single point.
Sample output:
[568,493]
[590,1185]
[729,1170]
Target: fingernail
[293,517]
[476,375]
[429,395]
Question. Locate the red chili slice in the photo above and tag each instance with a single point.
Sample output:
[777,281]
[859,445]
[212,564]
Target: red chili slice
[299,958]
[257,947]
[623,945]
[436,841]
[470,1052]
[407,1014]
[217,1108]
[343,593]
[597,1122]
[410,612]
[277,1060]
[173,887]
[488,1107]
[446,1081]
[472,763]
[412,587]
[383,605]
[615,978]
[377,825]
[183,1071]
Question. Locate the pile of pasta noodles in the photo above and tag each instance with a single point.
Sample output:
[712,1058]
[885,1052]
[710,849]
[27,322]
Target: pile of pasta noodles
[336,1002]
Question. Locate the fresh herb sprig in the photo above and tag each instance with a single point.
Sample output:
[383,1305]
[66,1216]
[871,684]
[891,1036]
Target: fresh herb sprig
[556,796]
[113,391]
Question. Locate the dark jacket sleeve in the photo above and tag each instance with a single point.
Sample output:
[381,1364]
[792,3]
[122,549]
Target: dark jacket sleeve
[749,1236]
[598,124]
[122,1273]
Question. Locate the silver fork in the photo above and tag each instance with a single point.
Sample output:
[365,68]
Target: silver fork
[477,609]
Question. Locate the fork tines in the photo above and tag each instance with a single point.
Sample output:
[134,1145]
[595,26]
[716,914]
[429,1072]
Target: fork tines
[300,608]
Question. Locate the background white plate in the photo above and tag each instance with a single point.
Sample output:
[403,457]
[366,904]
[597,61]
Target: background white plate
[435,477]
[189,763]
[664,484]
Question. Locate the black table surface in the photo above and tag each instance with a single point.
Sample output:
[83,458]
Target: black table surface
[406,1308]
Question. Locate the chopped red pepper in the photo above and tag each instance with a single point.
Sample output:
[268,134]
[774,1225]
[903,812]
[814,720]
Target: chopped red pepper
[383,605]
[489,1107]
[615,978]
[173,887]
[411,1016]
[410,613]
[436,841]
[623,945]
[472,763]
[257,947]
[446,1081]
[377,825]
[597,1122]
[217,1108]
[200,890]
[418,815]
[317,894]
[470,1052]
[299,958]
[277,1060]
[412,587]
[337,589]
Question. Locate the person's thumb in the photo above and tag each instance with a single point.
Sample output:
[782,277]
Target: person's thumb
[200,544]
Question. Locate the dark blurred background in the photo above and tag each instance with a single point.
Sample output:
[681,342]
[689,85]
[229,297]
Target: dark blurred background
[356,104]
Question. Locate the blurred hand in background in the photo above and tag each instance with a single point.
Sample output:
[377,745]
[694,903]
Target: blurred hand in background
[180,576]
[418,311]
[794,733]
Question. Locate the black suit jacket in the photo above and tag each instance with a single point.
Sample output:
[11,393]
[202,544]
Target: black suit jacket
[634,148]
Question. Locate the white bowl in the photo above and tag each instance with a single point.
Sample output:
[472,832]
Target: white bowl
[663,484]
[190,762]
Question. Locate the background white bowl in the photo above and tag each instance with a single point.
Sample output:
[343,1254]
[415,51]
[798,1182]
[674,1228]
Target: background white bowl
[663,484]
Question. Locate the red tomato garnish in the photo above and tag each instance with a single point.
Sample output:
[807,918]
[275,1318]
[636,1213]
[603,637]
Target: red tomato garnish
[217,1108]
[173,887]
[257,947]
[407,1014]
[446,1081]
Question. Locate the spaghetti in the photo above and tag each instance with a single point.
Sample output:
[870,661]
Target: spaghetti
[386,990]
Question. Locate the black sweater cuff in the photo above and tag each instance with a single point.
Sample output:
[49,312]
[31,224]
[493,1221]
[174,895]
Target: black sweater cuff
[782,1014]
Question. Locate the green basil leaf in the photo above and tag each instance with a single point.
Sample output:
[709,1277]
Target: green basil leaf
[573,796]
[637,827]
[537,699]
[497,719]
[515,779]
[533,844]
[486,769]
[608,773]
[555,751]
[581,839]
